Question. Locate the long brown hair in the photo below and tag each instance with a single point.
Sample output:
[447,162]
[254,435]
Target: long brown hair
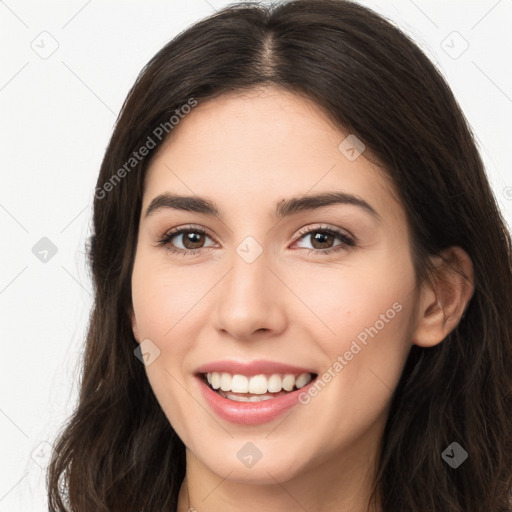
[118,451]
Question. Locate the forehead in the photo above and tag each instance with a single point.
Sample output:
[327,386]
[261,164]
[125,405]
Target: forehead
[265,144]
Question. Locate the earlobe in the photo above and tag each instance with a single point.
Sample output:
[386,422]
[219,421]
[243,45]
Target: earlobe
[443,301]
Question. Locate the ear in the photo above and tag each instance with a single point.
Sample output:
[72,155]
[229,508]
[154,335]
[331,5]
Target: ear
[442,302]
[133,321]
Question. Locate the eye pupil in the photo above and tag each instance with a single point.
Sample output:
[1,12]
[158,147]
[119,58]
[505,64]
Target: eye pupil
[322,238]
[194,238]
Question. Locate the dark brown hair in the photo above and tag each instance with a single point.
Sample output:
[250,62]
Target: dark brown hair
[118,451]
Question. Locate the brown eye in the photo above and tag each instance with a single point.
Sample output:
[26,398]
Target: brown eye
[185,240]
[321,240]
[192,239]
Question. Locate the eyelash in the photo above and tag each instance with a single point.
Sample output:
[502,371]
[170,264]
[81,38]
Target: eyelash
[346,241]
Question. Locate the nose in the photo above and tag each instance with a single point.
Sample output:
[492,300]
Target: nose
[250,299]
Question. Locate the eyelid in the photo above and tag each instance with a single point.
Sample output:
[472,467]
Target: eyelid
[170,233]
[311,228]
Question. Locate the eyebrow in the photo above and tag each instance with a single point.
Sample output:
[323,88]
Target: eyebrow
[284,208]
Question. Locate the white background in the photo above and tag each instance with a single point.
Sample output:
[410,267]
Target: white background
[56,118]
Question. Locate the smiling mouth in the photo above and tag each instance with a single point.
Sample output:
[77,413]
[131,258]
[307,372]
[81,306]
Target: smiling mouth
[256,388]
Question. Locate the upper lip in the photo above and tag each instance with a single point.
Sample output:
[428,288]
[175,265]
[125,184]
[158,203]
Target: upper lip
[252,367]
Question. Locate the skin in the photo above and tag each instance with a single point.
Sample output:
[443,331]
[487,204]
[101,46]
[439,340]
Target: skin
[246,152]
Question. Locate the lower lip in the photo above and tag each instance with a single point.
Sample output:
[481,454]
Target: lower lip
[250,413]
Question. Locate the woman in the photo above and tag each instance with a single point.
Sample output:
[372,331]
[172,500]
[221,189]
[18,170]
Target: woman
[228,365]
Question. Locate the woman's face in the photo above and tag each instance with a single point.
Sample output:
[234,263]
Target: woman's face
[271,281]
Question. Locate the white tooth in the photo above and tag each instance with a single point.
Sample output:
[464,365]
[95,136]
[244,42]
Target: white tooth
[302,380]
[237,398]
[225,381]
[258,384]
[288,382]
[254,398]
[242,398]
[240,384]
[274,383]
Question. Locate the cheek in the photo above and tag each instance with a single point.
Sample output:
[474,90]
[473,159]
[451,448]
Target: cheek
[161,301]
[166,301]
[365,354]
[365,314]
[163,296]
